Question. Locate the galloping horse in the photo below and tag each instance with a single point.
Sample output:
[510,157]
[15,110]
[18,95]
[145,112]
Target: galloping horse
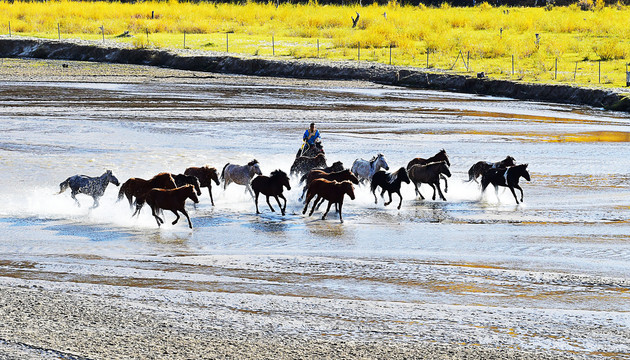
[271,186]
[138,188]
[312,151]
[336,176]
[206,176]
[364,169]
[336,166]
[507,177]
[440,156]
[183,179]
[93,186]
[304,164]
[429,174]
[240,174]
[390,183]
[332,191]
[171,199]
[481,167]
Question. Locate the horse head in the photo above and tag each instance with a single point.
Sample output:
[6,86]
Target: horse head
[281,177]
[337,166]
[444,157]
[196,184]
[444,169]
[402,175]
[348,188]
[380,161]
[190,192]
[212,174]
[111,178]
[525,173]
[349,175]
[254,168]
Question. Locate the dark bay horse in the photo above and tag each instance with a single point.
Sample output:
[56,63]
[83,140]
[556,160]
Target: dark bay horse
[332,176]
[183,179]
[481,167]
[304,164]
[92,186]
[429,174]
[171,199]
[138,188]
[271,186]
[332,191]
[206,176]
[440,156]
[506,177]
[336,166]
[390,183]
[311,151]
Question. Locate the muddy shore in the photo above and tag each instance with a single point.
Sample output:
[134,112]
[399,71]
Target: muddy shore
[307,69]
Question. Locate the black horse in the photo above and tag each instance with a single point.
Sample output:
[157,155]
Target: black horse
[182,179]
[480,167]
[336,166]
[507,177]
[271,186]
[310,151]
[304,164]
[390,183]
[93,186]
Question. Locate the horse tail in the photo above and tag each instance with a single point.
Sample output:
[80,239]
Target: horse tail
[471,173]
[373,185]
[123,190]
[63,186]
[223,171]
[303,178]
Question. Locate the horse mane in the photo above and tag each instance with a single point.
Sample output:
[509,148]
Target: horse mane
[252,163]
[278,173]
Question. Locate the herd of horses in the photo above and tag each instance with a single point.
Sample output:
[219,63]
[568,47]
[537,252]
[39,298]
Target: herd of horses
[166,191]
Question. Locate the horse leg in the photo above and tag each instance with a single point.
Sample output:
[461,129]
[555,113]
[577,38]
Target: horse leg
[306,201]
[440,191]
[327,210]
[73,195]
[375,198]
[249,188]
[314,205]
[433,187]
[514,193]
[496,192]
[157,218]
[187,217]
[282,208]
[521,190]
[340,206]
[176,217]
[256,202]
[390,198]
[400,203]
[211,199]
[321,201]
[95,205]
[268,203]
[445,182]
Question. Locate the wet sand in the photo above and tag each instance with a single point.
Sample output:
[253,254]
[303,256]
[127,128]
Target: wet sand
[43,319]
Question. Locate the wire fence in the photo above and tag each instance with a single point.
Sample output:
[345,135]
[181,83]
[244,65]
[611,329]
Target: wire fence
[560,70]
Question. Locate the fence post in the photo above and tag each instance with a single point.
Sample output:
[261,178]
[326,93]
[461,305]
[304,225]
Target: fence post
[59,30]
[627,76]
[184,39]
[468,62]
[575,72]
[147,36]
[318,48]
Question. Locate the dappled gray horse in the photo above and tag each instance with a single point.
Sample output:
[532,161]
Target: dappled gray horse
[240,174]
[364,169]
[93,186]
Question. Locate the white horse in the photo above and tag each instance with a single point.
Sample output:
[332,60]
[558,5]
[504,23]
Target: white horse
[364,169]
[240,174]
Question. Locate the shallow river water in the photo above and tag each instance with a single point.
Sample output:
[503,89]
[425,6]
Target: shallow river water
[546,274]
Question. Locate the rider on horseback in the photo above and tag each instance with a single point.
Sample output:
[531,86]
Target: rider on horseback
[310,137]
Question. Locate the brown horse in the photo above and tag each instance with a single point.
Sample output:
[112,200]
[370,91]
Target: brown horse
[138,188]
[206,176]
[332,176]
[171,199]
[304,164]
[271,186]
[481,167]
[429,174]
[440,156]
[332,191]
[336,166]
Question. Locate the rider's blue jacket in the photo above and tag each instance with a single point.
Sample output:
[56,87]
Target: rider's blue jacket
[310,138]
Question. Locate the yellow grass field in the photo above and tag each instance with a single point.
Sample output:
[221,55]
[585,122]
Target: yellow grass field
[591,47]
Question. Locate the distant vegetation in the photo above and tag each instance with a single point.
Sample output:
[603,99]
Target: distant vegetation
[578,35]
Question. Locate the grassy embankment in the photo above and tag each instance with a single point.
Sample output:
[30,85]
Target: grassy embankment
[493,36]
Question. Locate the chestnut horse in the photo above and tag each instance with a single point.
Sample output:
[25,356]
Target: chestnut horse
[481,167]
[332,191]
[171,199]
[271,186]
[390,183]
[138,188]
[429,174]
[336,176]
[507,177]
[206,176]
